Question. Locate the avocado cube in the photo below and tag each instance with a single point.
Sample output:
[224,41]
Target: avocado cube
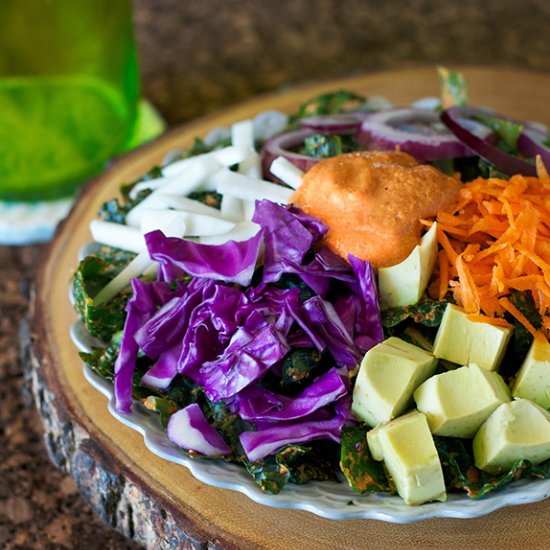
[533,378]
[404,283]
[457,402]
[407,448]
[388,375]
[463,341]
[516,430]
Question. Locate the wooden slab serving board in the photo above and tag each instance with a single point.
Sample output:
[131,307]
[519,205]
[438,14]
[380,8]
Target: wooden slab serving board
[159,503]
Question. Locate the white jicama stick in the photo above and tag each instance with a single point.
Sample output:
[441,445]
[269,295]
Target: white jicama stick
[249,207]
[251,166]
[191,179]
[195,225]
[142,263]
[242,134]
[247,188]
[241,232]
[154,201]
[185,204]
[228,156]
[134,269]
[231,208]
[152,184]
[287,172]
[117,235]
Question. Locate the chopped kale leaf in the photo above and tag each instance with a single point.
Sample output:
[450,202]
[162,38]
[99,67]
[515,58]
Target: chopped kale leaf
[461,473]
[269,475]
[289,280]
[317,461]
[300,366]
[521,338]
[92,275]
[364,474]
[321,146]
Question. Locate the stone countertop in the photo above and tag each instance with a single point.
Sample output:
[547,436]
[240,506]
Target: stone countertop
[197,57]
[40,507]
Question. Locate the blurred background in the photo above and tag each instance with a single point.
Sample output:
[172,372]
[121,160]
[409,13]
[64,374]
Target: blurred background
[197,57]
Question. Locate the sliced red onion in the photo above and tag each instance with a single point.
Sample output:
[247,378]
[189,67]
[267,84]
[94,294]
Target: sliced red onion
[281,146]
[531,143]
[189,429]
[418,132]
[333,124]
[455,119]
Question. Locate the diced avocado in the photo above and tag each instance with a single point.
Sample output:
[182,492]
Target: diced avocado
[462,341]
[533,378]
[516,430]
[457,402]
[403,284]
[407,448]
[373,442]
[387,378]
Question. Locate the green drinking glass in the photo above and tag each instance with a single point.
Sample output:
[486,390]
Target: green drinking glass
[69,90]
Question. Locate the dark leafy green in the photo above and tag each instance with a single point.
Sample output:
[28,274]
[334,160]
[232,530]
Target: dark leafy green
[461,473]
[507,131]
[364,474]
[268,474]
[318,461]
[321,146]
[327,104]
[521,338]
[426,312]
[92,274]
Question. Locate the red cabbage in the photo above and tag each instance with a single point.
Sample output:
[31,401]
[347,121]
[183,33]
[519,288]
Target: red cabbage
[320,321]
[257,404]
[139,309]
[275,304]
[248,356]
[189,429]
[232,262]
[289,234]
[161,374]
[262,443]
[227,338]
[216,315]
[369,320]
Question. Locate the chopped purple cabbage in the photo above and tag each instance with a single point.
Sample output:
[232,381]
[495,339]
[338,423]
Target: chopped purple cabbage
[227,335]
[140,307]
[189,429]
[262,443]
[232,262]
[257,404]
[288,235]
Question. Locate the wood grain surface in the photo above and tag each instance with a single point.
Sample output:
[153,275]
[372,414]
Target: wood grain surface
[160,504]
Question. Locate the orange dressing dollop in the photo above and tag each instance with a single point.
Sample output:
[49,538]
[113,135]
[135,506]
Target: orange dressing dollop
[373,202]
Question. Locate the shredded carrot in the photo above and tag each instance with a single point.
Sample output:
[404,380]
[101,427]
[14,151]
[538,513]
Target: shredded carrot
[443,274]
[495,321]
[516,313]
[496,239]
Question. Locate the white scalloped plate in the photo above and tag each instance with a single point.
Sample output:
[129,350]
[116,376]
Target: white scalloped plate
[326,499]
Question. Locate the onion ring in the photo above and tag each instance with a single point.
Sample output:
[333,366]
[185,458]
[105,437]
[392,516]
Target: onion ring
[508,164]
[418,132]
[281,145]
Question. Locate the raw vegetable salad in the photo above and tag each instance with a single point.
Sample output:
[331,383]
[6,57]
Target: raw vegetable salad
[221,308]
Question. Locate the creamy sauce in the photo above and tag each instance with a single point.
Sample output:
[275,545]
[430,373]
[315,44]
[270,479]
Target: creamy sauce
[373,201]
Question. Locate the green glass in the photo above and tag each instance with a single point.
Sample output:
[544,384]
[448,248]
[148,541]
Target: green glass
[69,87]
